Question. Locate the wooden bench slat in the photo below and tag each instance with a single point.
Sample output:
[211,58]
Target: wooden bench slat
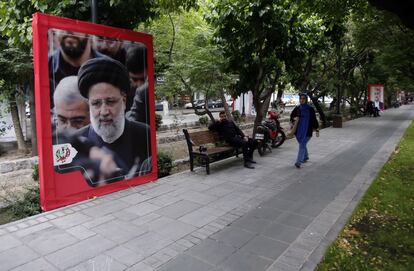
[204,137]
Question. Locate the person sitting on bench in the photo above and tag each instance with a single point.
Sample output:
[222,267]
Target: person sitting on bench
[232,134]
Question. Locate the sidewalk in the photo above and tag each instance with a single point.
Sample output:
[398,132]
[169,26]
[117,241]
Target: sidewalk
[275,217]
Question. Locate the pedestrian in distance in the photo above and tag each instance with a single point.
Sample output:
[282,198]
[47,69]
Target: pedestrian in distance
[304,121]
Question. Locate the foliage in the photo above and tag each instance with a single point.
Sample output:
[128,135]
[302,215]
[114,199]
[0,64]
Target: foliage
[158,121]
[379,235]
[35,172]
[16,15]
[164,164]
[203,120]
[236,115]
[23,205]
[195,64]
[263,40]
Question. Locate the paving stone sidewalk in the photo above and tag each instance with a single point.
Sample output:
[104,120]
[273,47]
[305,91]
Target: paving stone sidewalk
[275,217]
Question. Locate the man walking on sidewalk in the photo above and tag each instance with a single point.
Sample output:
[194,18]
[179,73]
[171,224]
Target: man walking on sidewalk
[305,115]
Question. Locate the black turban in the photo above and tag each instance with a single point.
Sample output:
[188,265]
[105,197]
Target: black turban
[102,69]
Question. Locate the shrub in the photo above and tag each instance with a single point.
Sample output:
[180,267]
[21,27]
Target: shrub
[164,164]
[236,115]
[26,203]
[203,120]
[158,121]
[35,173]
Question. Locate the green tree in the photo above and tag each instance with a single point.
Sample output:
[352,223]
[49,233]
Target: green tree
[195,65]
[14,61]
[262,40]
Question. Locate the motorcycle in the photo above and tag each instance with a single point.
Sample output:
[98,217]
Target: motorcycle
[269,134]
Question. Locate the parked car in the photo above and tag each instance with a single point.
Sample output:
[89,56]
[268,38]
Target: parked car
[159,107]
[218,104]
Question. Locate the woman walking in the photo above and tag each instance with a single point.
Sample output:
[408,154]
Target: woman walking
[304,119]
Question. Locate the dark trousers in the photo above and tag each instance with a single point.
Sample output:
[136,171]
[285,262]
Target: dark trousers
[248,146]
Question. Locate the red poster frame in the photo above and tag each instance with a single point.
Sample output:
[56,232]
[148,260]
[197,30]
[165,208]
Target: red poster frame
[57,190]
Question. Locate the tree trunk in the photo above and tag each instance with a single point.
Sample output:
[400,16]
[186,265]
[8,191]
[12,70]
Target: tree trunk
[33,119]
[225,105]
[318,107]
[172,40]
[259,114]
[21,144]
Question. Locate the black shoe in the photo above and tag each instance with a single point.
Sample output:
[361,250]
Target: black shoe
[251,161]
[247,165]
[297,165]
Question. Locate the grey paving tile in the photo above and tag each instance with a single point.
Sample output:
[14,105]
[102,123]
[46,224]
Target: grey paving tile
[79,252]
[186,263]
[164,200]
[33,229]
[135,198]
[105,208]
[198,218]
[211,251]
[49,240]
[178,209]
[140,267]
[142,209]
[241,261]
[124,255]
[148,243]
[294,220]
[71,220]
[98,221]
[8,241]
[101,262]
[280,204]
[282,232]
[197,197]
[170,228]
[145,219]
[265,213]
[119,231]
[80,232]
[266,247]
[38,264]
[17,256]
[251,223]
[233,236]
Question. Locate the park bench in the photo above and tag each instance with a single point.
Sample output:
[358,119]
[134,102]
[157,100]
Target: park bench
[207,146]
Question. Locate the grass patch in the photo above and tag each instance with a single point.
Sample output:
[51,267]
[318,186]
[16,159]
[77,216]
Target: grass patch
[380,233]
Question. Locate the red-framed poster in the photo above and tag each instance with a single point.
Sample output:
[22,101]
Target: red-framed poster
[376,95]
[95,117]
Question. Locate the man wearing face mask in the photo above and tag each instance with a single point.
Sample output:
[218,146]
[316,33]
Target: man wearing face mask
[74,50]
[105,82]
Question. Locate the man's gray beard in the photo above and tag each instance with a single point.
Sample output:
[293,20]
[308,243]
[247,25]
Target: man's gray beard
[112,132]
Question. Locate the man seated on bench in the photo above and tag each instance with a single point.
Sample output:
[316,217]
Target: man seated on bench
[235,137]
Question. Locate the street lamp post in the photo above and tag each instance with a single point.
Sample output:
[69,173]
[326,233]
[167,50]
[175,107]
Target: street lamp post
[94,11]
[337,120]
[243,108]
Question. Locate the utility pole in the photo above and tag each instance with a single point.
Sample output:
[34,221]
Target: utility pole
[243,114]
[337,120]
[94,11]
